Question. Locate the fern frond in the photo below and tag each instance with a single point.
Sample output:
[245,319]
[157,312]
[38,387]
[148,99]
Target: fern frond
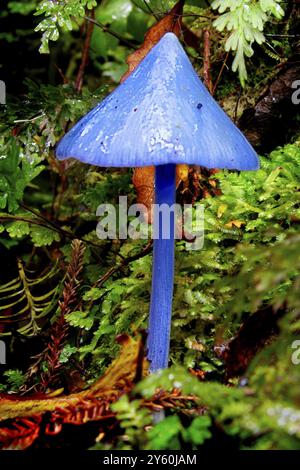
[24,303]
[244,23]
[59,330]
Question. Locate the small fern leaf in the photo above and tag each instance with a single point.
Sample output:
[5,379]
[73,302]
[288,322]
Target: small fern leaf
[24,304]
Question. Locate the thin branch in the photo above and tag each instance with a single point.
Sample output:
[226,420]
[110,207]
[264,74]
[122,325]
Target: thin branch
[125,262]
[220,74]
[40,216]
[150,10]
[207,64]
[145,251]
[237,106]
[85,54]
[19,121]
[112,33]
[196,15]
[9,217]
[282,35]
[44,222]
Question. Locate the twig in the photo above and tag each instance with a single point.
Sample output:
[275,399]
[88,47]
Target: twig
[85,54]
[19,121]
[237,106]
[44,222]
[59,330]
[49,224]
[150,10]
[220,74]
[125,261]
[64,79]
[207,64]
[40,216]
[112,33]
[195,15]
[282,35]
[145,251]
[9,217]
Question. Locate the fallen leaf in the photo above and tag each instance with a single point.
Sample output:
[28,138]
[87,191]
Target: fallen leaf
[143,178]
[182,173]
[172,22]
[235,223]
[143,181]
[21,417]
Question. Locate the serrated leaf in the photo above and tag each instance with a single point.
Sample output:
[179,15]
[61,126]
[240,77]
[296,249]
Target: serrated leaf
[93,294]
[18,229]
[42,236]
[66,353]
[80,319]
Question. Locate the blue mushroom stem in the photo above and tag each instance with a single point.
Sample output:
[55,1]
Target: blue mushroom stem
[163,269]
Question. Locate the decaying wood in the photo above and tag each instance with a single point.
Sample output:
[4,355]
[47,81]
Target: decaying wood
[273,119]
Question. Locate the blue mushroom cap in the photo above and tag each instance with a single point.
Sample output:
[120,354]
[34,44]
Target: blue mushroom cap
[161,114]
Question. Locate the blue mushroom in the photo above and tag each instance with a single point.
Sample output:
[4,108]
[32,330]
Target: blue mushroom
[161,115]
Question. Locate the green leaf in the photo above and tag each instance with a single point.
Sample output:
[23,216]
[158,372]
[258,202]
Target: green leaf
[114,11]
[66,353]
[245,21]
[14,380]
[18,229]
[137,24]
[42,236]
[93,294]
[164,435]
[16,172]
[80,319]
[198,431]
[59,14]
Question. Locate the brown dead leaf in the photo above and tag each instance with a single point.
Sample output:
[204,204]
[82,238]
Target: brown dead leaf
[27,421]
[169,23]
[235,223]
[182,173]
[143,181]
[118,379]
[143,178]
